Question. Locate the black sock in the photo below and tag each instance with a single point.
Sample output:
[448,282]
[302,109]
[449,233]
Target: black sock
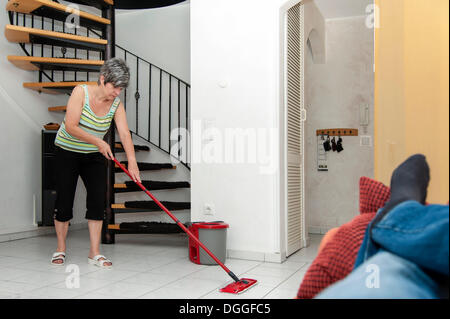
[409,181]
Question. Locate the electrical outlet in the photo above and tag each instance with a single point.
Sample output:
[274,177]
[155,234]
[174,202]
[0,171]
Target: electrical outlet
[209,209]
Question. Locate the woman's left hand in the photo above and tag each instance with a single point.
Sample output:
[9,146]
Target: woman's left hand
[134,171]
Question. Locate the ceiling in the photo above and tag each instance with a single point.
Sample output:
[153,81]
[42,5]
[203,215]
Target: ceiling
[144,4]
[331,9]
[127,6]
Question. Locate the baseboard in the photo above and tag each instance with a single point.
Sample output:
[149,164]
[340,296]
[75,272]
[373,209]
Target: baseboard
[256,256]
[318,230]
[33,231]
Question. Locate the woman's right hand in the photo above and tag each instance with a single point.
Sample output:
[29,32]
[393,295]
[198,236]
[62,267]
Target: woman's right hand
[105,149]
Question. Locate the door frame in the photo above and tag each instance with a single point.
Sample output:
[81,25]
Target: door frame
[282,122]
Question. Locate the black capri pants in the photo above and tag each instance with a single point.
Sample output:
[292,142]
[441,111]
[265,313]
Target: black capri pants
[91,168]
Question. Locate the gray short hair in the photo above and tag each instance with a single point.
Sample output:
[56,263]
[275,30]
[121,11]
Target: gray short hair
[116,72]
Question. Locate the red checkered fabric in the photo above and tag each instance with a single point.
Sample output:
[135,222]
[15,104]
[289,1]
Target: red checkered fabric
[372,195]
[336,260]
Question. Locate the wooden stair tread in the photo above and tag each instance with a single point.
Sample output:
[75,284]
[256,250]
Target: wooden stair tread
[19,34]
[30,6]
[27,62]
[51,87]
[57,108]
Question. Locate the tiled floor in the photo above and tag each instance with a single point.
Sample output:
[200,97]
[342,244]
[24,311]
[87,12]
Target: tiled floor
[145,266]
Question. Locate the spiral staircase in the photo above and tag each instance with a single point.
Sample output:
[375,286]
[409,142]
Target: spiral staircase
[66,46]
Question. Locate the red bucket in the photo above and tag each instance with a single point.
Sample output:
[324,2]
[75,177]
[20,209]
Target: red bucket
[213,236]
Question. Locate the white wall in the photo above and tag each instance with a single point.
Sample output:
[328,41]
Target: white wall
[235,65]
[161,36]
[333,93]
[230,49]
[315,30]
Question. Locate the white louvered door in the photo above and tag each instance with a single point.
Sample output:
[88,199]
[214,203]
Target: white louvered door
[295,217]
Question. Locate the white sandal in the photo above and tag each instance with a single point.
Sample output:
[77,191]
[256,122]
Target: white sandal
[100,263]
[59,255]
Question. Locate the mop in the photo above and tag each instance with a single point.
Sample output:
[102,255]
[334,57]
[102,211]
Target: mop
[236,287]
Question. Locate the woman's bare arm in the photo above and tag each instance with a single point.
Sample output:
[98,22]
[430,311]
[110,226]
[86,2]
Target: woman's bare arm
[120,119]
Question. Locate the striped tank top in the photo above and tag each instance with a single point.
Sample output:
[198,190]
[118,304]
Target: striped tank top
[89,122]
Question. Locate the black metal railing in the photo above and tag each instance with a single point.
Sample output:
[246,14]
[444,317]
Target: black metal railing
[160,109]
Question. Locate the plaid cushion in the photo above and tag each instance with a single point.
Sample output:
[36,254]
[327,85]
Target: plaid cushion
[336,260]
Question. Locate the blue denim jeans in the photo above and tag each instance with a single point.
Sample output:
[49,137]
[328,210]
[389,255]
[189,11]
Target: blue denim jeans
[405,256]
[385,276]
[413,231]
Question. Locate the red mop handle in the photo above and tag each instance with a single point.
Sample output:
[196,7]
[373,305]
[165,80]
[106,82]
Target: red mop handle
[192,236]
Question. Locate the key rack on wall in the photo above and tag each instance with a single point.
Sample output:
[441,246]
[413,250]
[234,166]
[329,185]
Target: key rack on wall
[338,132]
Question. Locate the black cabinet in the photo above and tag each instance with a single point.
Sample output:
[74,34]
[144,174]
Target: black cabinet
[48,177]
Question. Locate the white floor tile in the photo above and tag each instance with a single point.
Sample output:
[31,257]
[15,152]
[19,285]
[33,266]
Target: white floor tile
[46,266]
[169,293]
[50,293]
[9,295]
[177,269]
[145,266]
[96,295]
[41,278]
[10,287]
[239,266]
[197,287]
[150,279]
[263,270]
[137,263]
[281,294]
[111,274]
[6,261]
[307,254]
[288,264]
[125,290]
[212,273]
[293,282]
[86,285]
[10,273]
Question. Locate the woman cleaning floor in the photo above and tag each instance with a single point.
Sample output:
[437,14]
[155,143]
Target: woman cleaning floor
[81,151]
